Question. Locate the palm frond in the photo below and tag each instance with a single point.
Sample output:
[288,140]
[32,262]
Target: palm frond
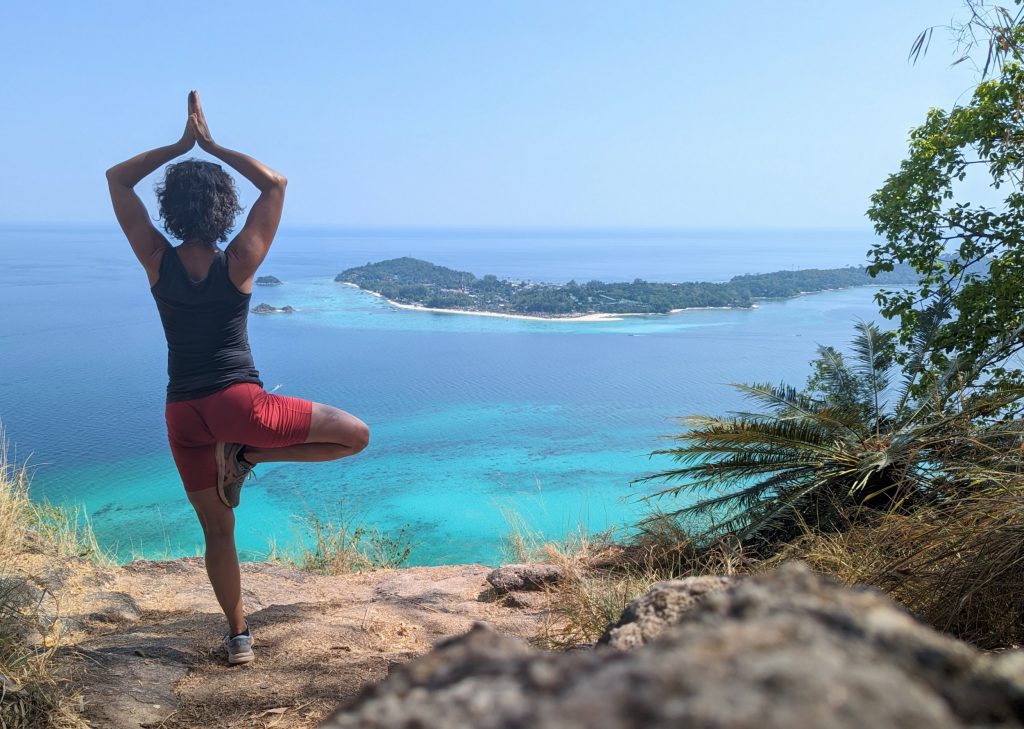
[786,402]
[836,376]
[780,399]
[775,511]
[873,364]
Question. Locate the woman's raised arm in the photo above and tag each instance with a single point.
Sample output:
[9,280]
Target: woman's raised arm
[147,242]
[248,249]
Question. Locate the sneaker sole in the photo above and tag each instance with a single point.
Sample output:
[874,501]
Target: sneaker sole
[221,470]
[241,658]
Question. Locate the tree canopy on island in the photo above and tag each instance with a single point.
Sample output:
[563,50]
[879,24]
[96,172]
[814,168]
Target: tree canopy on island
[413,281]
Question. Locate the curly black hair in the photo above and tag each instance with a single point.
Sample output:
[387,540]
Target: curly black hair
[198,200]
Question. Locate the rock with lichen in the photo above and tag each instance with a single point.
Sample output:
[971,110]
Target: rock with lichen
[776,651]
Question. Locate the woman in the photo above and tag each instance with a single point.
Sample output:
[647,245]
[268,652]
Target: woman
[220,421]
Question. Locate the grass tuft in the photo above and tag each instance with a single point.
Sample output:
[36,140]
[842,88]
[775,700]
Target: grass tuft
[598,581]
[68,530]
[339,546]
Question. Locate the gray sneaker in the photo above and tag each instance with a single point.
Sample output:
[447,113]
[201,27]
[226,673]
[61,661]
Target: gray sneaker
[231,473]
[239,647]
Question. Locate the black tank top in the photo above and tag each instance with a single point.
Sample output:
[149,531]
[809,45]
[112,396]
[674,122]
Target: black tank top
[205,326]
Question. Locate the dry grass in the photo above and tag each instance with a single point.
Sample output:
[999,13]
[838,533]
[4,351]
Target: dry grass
[68,531]
[601,575]
[521,543]
[32,691]
[584,604]
[15,506]
[336,547]
[959,566]
[967,577]
[589,596]
[601,578]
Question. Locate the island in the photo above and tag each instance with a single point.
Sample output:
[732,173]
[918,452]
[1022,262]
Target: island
[268,281]
[268,309]
[410,282]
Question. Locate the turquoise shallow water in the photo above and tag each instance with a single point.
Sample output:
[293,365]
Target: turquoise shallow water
[473,418]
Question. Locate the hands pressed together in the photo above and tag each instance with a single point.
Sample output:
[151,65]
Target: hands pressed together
[197,131]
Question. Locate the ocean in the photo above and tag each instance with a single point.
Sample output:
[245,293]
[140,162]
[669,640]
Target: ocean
[477,423]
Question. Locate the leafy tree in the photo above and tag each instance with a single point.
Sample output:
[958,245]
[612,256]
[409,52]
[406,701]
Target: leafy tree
[970,256]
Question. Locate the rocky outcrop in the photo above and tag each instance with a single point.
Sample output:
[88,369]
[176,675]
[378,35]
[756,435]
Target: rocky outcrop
[663,605]
[514,577]
[268,281]
[784,650]
[268,309]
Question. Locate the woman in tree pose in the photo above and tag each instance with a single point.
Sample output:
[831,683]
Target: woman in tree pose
[220,421]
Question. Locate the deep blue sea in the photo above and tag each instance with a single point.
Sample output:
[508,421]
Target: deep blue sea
[476,421]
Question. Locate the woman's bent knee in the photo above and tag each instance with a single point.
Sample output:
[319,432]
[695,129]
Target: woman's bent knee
[331,425]
[361,437]
[353,433]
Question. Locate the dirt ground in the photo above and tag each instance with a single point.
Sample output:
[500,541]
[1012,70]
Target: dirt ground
[145,639]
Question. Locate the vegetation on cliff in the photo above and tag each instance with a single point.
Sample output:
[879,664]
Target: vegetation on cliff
[415,282]
[340,545]
[34,688]
[899,463]
[850,440]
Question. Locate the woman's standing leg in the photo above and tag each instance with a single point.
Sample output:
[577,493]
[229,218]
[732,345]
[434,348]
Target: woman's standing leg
[194,447]
[218,523]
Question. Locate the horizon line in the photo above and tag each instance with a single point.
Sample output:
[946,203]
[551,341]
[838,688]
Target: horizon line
[489,227]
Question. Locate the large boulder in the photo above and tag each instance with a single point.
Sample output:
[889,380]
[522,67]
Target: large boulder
[783,650]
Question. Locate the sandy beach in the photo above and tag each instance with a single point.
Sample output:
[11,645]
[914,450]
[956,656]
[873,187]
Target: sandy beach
[581,317]
[528,317]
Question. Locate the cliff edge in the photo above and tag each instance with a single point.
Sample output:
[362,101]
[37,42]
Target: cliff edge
[143,639]
[440,647]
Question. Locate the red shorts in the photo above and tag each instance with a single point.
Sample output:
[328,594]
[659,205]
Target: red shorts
[240,413]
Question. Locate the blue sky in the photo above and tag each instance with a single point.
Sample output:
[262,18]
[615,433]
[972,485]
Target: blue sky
[522,114]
